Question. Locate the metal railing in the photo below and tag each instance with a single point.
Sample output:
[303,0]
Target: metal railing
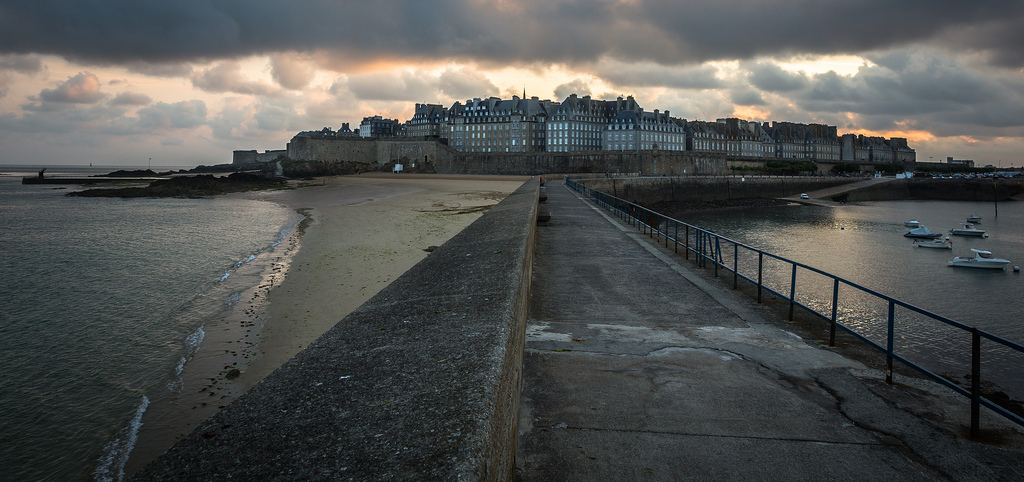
[706,247]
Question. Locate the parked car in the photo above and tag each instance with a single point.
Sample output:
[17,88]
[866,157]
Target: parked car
[804,196]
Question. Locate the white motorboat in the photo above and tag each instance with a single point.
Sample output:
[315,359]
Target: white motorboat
[912,224]
[935,243]
[922,233]
[974,218]
[981,259]
[968,230]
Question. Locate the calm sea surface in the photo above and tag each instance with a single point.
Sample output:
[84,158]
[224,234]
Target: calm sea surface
[864,244]
[104,303]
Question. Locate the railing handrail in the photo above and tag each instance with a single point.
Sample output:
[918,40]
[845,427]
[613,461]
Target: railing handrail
[635,211]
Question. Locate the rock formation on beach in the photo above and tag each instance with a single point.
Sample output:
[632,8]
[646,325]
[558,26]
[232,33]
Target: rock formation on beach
[189,186]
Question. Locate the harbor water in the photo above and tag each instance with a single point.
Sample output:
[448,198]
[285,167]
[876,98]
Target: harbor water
[106,302]
[864,243]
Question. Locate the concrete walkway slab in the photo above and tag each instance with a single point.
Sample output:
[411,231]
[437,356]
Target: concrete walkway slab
[639,368]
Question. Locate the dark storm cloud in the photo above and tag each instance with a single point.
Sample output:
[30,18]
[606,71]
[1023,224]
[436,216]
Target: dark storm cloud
[664,31]
[772,78]
[654,75]
[576,86]
[919,88]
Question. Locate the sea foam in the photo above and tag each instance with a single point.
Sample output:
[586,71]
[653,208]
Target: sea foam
[115,454]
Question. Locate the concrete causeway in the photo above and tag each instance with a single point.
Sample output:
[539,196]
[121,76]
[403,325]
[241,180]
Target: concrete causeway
[639,367]
[578,349]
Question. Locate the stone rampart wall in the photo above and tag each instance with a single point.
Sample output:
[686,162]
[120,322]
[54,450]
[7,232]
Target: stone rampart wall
[650,163]
[348,149]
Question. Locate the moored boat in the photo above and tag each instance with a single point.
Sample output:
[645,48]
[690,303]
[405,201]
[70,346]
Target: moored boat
[922,233]
[982,259]
[968,230]
[912,223]
[935,243]
[974,218]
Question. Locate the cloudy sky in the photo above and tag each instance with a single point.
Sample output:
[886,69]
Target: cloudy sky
[185,82]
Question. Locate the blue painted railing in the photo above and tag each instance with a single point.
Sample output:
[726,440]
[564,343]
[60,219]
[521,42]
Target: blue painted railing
[706,246]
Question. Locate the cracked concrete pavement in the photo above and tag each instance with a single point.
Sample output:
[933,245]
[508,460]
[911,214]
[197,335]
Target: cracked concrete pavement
[638,367]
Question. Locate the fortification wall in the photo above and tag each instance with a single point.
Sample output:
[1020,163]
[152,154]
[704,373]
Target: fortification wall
[270,156]
[348,149]
[243,157]
[650,163]
[423,153]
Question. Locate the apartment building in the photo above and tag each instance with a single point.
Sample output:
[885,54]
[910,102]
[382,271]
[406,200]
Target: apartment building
[496,125]
[427,121]
[378,126]
[581,123]
[639,130]
[577,123]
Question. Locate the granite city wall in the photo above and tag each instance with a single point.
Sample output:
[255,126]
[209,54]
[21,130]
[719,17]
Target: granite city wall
[649,163]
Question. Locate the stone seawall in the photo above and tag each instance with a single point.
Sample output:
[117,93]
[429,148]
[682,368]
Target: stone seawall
[658,190]
[942,189]
[650,191]
[422,381]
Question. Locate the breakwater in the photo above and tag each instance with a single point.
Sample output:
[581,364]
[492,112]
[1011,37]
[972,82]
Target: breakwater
[650,190]
[668,190]
[422,381]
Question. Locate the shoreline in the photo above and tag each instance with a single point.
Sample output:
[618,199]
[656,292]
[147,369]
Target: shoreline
[358,233]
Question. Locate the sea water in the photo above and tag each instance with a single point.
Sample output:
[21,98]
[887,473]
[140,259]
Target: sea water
[864,243]
[104,303]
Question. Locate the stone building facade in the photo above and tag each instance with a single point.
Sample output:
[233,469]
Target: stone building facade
[494,125]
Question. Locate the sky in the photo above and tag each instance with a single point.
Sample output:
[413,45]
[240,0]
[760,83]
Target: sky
[184,83]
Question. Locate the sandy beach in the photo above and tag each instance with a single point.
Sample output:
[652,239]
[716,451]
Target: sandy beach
[364,232]
[360,233]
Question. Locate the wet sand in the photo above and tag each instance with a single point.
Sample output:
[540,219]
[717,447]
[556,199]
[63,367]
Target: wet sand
[364,232]
[360,233]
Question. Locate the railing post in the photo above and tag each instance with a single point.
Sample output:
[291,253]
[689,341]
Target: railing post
[835,309]
[666,231]
[975,383]
[888,345]
[686,249]
[792,293]
[760,266]
[735,265]
[716,253]
[676,239]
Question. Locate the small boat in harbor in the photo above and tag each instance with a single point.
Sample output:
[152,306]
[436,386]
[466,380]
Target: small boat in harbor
[935,243]
[922,233]
[974,218]
[912,224]
[981,259]
[968,230]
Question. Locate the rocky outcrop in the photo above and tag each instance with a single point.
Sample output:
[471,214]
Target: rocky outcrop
[189,186]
